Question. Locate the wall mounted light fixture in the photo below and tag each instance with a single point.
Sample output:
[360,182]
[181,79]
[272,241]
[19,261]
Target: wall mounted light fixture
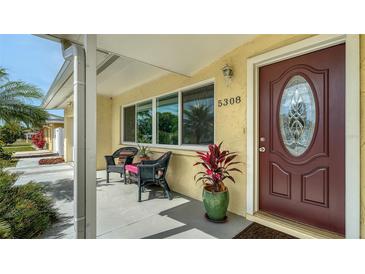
[227,74]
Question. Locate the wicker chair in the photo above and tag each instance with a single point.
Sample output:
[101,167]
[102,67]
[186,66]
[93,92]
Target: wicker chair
[150,172]
[127,153]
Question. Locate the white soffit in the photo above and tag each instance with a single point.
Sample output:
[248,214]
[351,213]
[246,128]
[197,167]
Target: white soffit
[61,90]
[184,54]
[143,58]
[125,74]
[180,53]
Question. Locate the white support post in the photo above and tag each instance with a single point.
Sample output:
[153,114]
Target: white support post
[90,135]
[84,133]
[79,133]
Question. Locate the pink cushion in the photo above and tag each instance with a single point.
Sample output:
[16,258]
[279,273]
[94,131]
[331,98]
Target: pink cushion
[132,168]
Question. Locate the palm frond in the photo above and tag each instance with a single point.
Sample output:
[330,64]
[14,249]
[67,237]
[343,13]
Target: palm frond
[20,90]
[3,75]
[17,101]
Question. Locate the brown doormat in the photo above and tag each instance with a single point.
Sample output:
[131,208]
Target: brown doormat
[51,161]
[257,231]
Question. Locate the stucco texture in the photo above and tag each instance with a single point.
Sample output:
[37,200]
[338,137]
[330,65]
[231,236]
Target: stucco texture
[230,121]
[362,89]
[68,134]
[48,134]
[103,131]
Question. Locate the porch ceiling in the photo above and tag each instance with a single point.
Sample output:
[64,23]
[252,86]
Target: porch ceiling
[143,58]
[59,94]
[183,54]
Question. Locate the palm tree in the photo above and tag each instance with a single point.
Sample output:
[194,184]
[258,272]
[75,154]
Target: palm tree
[15,99]
[198,123]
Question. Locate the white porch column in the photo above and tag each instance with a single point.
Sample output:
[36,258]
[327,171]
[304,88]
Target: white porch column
[90,135]
[85,138]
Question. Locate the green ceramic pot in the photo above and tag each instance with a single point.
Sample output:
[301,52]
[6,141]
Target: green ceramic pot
[216,204]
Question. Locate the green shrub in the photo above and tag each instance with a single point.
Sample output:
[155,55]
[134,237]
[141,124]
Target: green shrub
[10,132]
[4,154]
[8,163]
[5,230]
[25,209]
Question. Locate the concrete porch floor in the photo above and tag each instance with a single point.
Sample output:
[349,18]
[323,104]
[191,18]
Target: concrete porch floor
[119,215]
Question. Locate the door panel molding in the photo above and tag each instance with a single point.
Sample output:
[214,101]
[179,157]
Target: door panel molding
[352,112]
[323,115]
[308,181]
[281,190]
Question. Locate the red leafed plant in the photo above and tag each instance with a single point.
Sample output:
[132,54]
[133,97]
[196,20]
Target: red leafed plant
[217,164]
[38,139]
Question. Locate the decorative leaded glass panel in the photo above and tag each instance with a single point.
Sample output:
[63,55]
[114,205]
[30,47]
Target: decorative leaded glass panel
[297,115]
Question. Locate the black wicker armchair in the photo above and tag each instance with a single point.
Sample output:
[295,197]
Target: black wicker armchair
[126,155]
[151,172]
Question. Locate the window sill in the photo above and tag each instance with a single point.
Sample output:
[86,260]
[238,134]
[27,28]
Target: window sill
[176,149]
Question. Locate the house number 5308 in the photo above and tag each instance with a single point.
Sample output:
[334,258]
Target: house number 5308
[229,101]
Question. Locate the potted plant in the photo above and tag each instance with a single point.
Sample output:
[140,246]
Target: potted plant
[218,165]
[144,152]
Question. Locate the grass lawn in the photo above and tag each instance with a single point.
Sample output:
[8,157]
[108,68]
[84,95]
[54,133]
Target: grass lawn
[13,148]
[8,163]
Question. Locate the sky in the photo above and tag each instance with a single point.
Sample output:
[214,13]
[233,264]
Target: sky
[31,59]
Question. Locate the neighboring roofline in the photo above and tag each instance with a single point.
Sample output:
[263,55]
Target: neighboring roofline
[55,122]
[56,116]
[55,119]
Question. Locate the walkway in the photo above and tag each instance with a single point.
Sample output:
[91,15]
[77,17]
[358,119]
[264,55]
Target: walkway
[34,153]
[119,215]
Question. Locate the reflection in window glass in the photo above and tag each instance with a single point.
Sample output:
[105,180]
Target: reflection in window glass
[167,120]
[144,122]
[198,116]
[129,130]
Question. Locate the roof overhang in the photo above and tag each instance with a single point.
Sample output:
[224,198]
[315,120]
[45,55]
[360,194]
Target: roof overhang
[141,58]
[61,90]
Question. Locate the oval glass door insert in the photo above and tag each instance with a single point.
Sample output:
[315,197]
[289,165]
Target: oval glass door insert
[297,118]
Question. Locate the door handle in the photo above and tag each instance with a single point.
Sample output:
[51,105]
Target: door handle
[262,149]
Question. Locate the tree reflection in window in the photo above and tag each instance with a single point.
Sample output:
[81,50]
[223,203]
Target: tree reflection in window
[129,124]
[198,116]
[144,122]
[167,119]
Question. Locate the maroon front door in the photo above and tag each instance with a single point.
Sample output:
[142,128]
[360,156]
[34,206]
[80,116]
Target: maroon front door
[302,139]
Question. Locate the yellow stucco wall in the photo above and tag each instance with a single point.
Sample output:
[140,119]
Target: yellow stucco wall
[103,131]
[362,89]
[230,122]
[47,137]
[68,134]
[48,134]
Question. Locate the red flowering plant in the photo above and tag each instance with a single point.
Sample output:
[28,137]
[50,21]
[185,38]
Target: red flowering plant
[218,165]
[38,139]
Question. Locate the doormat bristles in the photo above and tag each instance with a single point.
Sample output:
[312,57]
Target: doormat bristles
[257,231]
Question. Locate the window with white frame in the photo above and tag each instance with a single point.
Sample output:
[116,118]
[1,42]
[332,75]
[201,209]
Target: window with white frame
[167,120]
[198,116]
[129,115]
[144,122]
[181,118]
